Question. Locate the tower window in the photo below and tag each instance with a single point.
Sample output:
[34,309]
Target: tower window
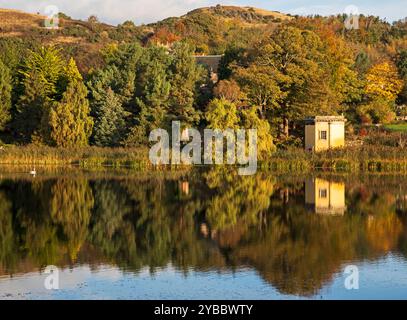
[323,193]
[322,135]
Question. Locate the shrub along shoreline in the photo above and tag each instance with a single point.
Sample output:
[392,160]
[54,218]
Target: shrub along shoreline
[355,159]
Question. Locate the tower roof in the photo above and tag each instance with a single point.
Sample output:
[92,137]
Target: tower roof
[328,119]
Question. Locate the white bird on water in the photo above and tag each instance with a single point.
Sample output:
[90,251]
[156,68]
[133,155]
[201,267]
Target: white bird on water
[33,172]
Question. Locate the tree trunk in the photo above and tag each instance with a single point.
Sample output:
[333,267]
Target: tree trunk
[261,111]
[285,127]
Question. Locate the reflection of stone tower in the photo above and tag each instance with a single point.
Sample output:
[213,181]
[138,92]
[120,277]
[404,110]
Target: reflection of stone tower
[326,197]
[185,187]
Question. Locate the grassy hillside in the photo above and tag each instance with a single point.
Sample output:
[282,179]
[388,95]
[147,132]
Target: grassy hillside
[247,14]
[81,39]
[15,23]
[212,29]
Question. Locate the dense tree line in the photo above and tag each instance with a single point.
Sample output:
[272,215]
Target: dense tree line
[271,81]
[295,73]
[140,88]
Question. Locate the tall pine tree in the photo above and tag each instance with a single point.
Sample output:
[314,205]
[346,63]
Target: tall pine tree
[40,77]
[110,121]
[69,120]
[152,95]
[185,74]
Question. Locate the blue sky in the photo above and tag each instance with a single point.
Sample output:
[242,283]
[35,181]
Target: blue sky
[144,11]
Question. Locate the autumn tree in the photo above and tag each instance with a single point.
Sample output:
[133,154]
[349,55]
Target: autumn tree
[228,90]
[251,120]
[383,82]
[222,114]
[279,74]
[375,111]
[383,85]
[164,36]
[261,86]
[293,74]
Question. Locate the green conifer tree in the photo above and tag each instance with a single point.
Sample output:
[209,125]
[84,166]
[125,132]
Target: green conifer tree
[152,95]
[185,74]
[5,95]
[109,120]
[40,77]
[69,120]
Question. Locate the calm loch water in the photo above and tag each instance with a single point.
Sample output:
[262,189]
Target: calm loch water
[202,235]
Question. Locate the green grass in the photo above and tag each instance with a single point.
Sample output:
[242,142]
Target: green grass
[399,127]
[356,159]
[85,157]
[366,158]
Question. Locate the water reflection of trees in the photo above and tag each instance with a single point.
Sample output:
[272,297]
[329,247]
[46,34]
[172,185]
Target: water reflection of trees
[7,244]
[211,221]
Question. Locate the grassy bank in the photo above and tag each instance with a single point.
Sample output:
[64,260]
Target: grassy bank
[356,159]
[83,157]
[398,127]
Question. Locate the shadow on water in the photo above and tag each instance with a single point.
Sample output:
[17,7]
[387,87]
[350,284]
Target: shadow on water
[296,232]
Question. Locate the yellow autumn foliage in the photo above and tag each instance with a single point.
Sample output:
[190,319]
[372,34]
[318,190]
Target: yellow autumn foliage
[383,81]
